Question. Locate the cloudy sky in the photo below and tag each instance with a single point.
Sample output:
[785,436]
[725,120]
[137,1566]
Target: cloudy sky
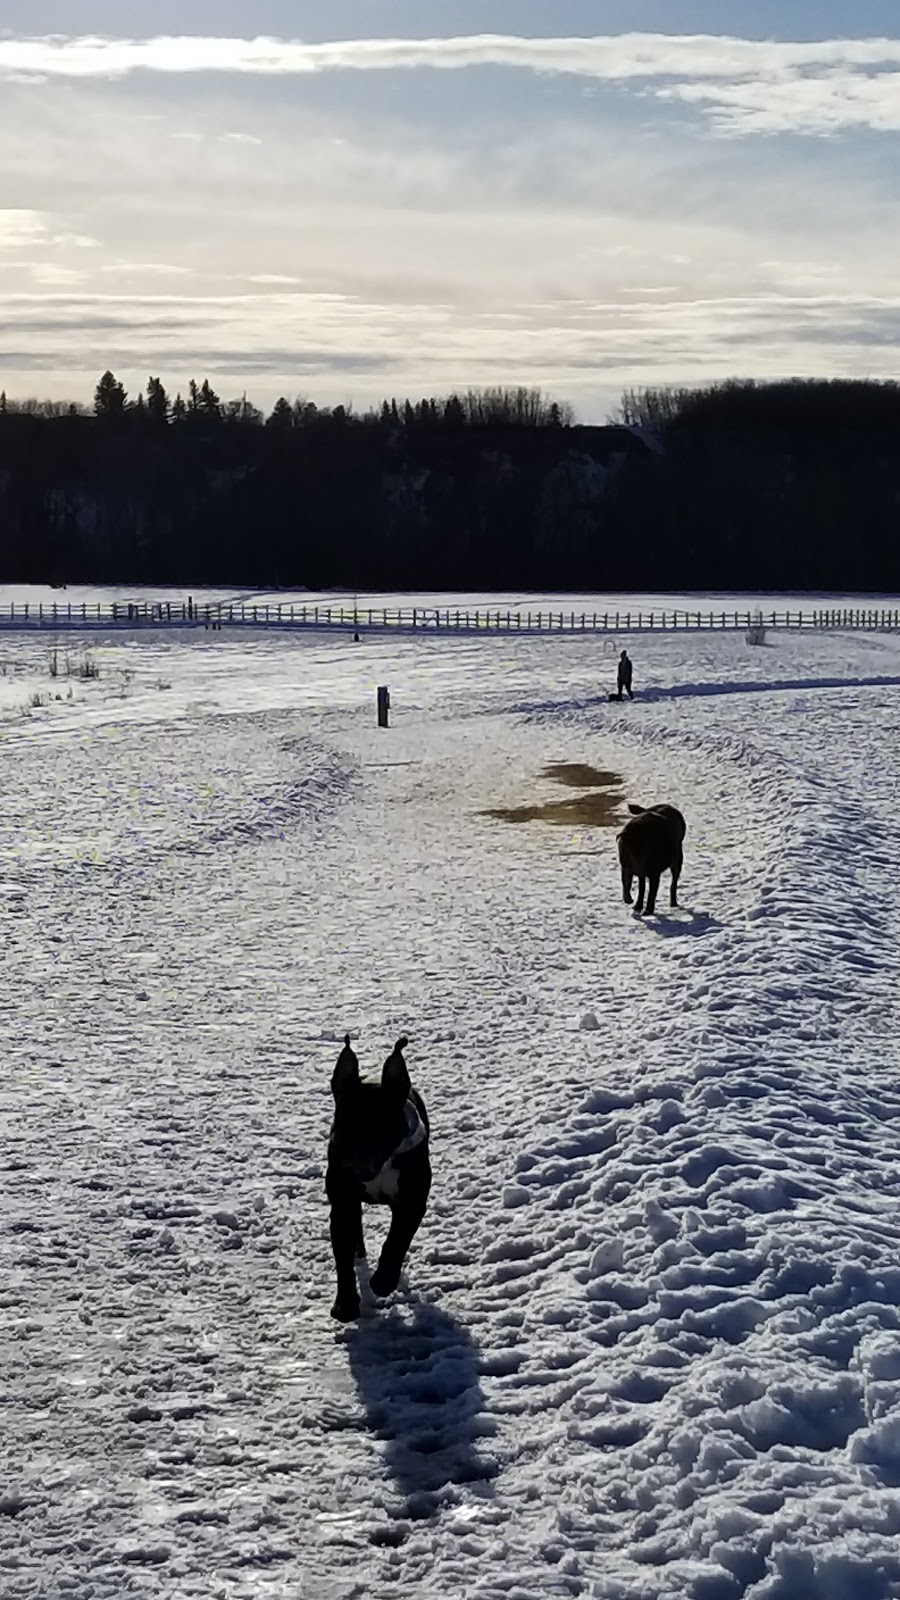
[361,198]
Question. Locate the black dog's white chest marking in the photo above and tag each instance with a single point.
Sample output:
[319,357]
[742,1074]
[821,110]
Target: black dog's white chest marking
[384,1184]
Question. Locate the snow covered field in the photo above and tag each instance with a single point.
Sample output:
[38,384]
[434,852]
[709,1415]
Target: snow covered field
[649,1343]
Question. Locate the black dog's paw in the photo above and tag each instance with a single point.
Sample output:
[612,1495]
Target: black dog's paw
[383,1282]
[346,1309]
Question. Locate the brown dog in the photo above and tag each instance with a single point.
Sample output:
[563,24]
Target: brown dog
[649,845]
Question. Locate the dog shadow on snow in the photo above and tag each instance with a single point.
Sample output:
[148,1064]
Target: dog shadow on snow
[680,923]
[417,1374]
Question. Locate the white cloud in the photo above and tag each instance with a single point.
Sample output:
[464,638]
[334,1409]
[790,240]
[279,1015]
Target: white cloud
[20,228]
[54,275]
[745,85]
[140,269]
[613,56]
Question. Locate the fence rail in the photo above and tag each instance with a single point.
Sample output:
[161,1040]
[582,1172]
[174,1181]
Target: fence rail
[432,620]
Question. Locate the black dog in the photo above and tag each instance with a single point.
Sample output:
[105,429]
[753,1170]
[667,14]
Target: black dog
[649,845]
[378,1154]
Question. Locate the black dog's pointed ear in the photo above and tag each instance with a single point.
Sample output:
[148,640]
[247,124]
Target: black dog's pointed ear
[346,1073]
[636,811]
[395,1074]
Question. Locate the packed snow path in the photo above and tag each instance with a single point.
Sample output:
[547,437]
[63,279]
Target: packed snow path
[649,1344]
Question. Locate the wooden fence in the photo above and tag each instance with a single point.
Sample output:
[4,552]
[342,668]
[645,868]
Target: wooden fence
[427,619]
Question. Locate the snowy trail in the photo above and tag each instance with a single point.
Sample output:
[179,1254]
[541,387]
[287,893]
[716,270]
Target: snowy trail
[651,1339]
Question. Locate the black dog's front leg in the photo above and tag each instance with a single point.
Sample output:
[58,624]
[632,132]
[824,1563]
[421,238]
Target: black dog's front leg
[346,1242]
[405,1220]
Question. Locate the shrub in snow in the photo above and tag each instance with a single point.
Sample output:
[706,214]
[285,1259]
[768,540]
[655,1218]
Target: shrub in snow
[756,633]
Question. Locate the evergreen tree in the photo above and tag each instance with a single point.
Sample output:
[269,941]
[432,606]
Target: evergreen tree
[157,400]
[282,415]
[109,396]
[209,402]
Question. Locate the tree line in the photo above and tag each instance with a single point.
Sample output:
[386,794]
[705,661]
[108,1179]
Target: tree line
[516,407]
[741,485]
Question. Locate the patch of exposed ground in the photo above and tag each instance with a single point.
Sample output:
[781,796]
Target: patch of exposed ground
[598,808]
[578,775]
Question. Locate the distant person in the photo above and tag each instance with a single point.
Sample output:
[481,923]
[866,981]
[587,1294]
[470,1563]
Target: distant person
[623,681]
